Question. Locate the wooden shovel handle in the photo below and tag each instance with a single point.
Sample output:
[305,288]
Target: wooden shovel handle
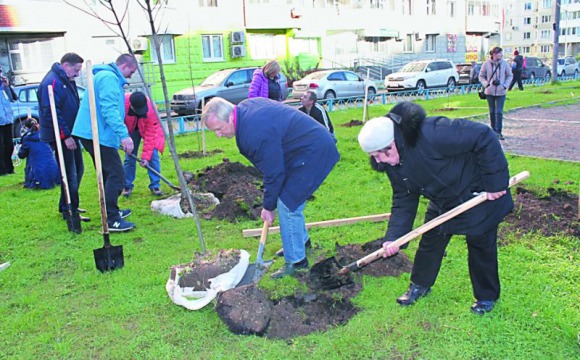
[429,225]
[264,234]
[58,145]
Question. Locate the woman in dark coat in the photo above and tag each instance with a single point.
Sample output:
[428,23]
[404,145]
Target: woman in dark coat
[448,161]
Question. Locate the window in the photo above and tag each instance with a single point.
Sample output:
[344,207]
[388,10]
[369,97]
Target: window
[213,49]
[430,42]
[407,7]
[546,19]
[545,49]
[262,46]
[451,9]
[545,34]
[528,6]
[527,35]
[408,43]
[166,47]
[351,77]
[431,7]
[470,9]
[32,55]
[337,76]
[547,4]
[525,50]
[238,78]
[527,21]
[208,3]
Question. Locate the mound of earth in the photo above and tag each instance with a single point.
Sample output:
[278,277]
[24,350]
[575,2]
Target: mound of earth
[199,154]
[238,188]
[552,214]
[352,123]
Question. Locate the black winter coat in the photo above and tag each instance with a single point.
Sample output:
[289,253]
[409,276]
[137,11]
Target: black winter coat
[448,161]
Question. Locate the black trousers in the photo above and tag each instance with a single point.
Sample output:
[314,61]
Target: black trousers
[113,176]
[74,167]
[517,78]
[6,149]
[482,259]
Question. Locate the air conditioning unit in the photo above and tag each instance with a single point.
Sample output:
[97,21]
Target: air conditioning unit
[418,37]
[237,37]
[138,44]
[398,39]
[238,51]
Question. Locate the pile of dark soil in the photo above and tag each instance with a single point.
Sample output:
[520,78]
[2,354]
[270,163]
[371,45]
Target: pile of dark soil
[352,123]
[199,154]
[552,214]
[205,267]
[238,188]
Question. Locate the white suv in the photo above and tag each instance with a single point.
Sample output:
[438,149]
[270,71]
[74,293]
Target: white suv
[423,74]
[567,66]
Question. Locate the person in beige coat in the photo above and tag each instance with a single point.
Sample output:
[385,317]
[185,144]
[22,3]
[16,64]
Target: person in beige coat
[495,76]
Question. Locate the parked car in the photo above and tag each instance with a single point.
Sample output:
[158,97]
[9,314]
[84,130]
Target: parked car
[567,66]
[423,74]
[26,99]
[230,84]
[464,70]
[536,69]
[331,84]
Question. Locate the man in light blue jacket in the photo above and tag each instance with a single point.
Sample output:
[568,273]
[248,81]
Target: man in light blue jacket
[109,81]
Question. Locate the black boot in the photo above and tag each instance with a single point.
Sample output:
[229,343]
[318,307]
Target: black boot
[414,293]
[307,245]
[481,307]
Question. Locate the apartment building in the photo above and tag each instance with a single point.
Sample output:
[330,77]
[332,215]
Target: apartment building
[530,27]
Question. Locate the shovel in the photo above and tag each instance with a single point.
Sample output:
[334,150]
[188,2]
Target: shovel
[329,274]
[108,257]
[73,219]
[256,271]
[174,187]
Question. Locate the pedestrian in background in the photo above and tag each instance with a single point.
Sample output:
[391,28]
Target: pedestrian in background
[41,171]
[61,77]
[109,83]
[266,82]
[7,96]
[517,69]
[495,76]
[142,123]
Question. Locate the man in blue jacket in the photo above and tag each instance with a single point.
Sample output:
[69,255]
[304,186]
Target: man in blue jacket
[109,81]
[66,98]
[294,154]
[448,162]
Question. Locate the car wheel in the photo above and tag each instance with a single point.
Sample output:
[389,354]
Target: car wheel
[451,83]
[421,86]
[329,95]
[18,128]
[575,73]
[533,77]
[548,76]
[371,94]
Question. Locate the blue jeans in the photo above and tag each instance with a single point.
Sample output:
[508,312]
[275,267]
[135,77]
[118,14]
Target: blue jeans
[293,231]
[130,164]
[495,104]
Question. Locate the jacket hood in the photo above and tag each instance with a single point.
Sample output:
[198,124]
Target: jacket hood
[111,67]
[408,117]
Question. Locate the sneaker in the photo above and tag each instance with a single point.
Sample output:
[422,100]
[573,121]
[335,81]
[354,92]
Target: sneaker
[307,245]
[157,192]
[81,211]
[124,213]
[415,292]
[290,269]
[120,225]
[127,192]
[481,307]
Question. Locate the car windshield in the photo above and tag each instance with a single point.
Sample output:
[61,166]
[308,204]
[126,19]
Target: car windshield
[413,67]
[561,61]
[315,75]
[215,78]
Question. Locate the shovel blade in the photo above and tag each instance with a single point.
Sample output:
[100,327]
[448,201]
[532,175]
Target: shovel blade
[109,258]
[255,272]
[73,222]
[325,275]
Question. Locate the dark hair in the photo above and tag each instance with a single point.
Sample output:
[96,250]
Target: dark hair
[516,52]
[71,58]
[126,59]
[30,122]
[495,50]
[312,95]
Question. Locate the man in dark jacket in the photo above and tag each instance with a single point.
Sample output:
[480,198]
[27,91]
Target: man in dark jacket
[517,68]
[449,162]
[315,110]
[66,98]
[294,154]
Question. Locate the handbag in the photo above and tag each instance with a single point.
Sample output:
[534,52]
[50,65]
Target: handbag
[481,94]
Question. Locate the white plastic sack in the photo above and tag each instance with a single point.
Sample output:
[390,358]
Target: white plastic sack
[195,300]
[170,206]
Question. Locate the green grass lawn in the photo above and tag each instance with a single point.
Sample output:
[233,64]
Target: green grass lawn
[54,304]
